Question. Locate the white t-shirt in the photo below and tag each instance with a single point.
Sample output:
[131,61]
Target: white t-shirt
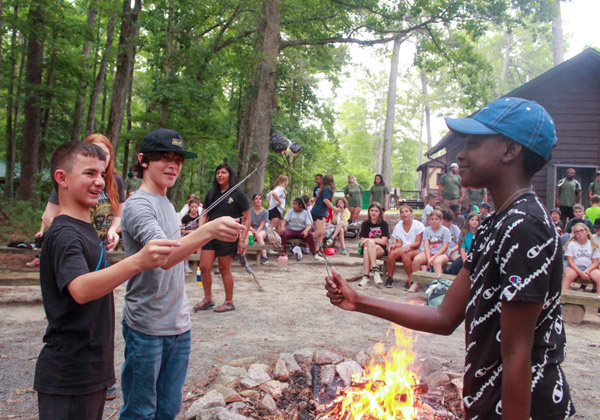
[280,191]
[427,210]
[582,254]
[409,237]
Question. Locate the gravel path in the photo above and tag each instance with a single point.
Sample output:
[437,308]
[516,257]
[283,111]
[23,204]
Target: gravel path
[292,313]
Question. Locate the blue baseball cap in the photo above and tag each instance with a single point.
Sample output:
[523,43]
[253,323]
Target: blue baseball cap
[525,122]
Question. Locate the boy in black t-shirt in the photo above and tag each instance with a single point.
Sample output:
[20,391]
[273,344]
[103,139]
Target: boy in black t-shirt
[75,366]
[508,291]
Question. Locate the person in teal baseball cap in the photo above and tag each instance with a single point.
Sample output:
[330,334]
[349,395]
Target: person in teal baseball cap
[509,288]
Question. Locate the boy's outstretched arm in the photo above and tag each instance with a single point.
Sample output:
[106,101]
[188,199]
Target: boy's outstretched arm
[441,319]
[225,228]
[95,284]
[517,325]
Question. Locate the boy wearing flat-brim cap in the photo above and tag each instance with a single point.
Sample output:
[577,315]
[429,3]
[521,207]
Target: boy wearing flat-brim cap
[508,291]
[156,317]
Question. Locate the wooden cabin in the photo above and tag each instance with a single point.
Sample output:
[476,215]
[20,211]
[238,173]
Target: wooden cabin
[570,92]
[430,174]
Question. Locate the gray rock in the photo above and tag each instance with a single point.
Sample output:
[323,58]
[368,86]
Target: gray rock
[326,357]
[210,400]
[268,403]
[437,378]
[290,362]
[254,378]
[230,376]
[362,359]
[243,363]
[327,374]
[280,372]
[425,366]
[220,413]
[250,394]
[236,407]
[274,388]
[304,356]
[347,369]
[260,366]
[229,395]
[375,357]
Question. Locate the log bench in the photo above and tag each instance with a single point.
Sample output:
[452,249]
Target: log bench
[574,302]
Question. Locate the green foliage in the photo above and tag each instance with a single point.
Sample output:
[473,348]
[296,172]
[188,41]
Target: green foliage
[23,222]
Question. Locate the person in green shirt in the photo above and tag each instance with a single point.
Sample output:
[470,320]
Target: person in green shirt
[450,189]
[132,183]
[568,193]
[354,195]
[380,192]
[475,197]
[594,188]
[592,213]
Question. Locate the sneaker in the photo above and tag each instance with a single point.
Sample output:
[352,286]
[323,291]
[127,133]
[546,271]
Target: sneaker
[111,393]
[264,260]
[364,281]
[243,260]
[376,277]
[329,243]
[187,269]
[406,286]
[344,252]
[317,257]
[389,282]
[297,252]
[414,288]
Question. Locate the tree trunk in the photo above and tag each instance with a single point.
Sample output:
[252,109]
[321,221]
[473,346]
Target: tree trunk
[253,136]
[85,67]
[390,114]
[32,109]
[125,60]
[129,125]
[426,106]
[47,103]
[1,32]
[506,58]
[101,76]
[164,102]
[557,37]
[11,141]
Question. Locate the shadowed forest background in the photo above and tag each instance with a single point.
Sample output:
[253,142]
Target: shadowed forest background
[226,74]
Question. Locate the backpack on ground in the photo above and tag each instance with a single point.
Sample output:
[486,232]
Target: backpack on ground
[436,291]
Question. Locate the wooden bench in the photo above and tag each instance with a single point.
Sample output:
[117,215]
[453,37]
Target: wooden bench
[574,302]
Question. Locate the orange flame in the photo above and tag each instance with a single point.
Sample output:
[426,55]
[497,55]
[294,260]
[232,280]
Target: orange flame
[386,391]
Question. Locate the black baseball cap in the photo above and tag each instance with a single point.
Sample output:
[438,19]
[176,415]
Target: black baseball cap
[165,140]
[597,223]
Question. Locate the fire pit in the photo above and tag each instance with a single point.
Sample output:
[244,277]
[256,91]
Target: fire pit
[323,385]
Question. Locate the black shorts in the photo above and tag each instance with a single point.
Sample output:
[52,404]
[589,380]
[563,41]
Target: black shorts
[222,249]
[566,212]
[274,213]
[88,406]
[315,218]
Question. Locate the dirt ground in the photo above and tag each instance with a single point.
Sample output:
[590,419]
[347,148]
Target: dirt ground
[291,313]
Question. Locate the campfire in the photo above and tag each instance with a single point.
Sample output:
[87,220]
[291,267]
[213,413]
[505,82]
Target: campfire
[320,384]
[387,391]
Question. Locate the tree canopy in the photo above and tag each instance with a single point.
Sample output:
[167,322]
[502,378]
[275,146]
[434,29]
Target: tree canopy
[226,73]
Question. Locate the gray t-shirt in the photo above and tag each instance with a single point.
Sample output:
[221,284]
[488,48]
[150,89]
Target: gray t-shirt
[297,221]
[155,301]
[257,219]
